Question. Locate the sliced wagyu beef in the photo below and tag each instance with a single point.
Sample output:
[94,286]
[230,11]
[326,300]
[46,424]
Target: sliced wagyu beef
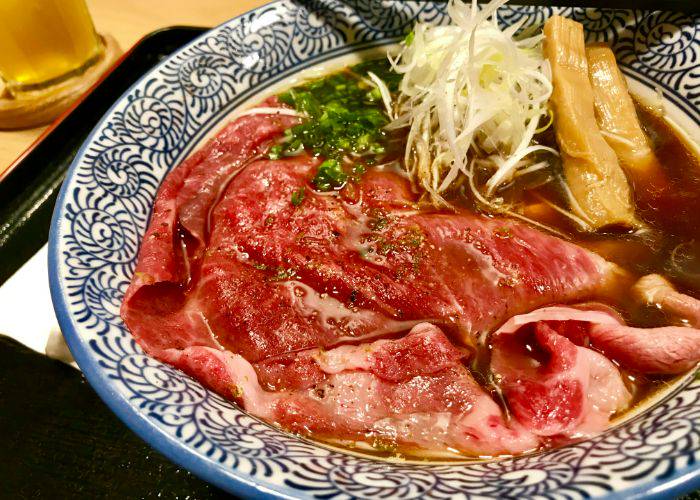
[555,383]
[412,392]
[260,276]
[337,314]
[665,350]
[553,386]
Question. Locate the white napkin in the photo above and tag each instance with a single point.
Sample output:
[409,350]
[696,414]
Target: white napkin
[26,312]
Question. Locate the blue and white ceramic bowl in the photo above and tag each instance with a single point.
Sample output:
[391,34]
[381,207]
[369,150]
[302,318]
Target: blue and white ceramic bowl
[103,211]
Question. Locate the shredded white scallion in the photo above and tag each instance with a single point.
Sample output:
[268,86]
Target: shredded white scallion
[470,87]
[531,168]
[577,220]
[508,167]
[384,91]
[575,207]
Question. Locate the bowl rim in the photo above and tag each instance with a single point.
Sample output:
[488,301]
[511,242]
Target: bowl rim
[683,480]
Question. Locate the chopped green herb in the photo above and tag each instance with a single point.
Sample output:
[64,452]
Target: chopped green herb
[384,247]
[346,114]
[357,170]
[382,69]
[287,97]
[503,232]
[275,152]
[385,444]
[413,239]
[374,95]
[330,176]
[283,274]
[378,222]
[409,38]
[298,196]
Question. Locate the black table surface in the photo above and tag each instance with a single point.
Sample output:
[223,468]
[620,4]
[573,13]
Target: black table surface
[59,440]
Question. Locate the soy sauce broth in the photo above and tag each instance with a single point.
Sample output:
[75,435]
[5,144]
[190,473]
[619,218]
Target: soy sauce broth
[669,244]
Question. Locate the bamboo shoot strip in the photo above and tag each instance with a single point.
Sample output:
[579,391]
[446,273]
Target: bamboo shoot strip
[596,181]
[618,121]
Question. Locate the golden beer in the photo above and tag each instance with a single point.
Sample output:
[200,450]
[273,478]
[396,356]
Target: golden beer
[44,41]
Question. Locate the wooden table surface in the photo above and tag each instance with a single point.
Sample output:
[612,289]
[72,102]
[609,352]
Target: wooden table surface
[128,21]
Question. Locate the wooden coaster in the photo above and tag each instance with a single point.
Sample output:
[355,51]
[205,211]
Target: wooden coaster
[38,107]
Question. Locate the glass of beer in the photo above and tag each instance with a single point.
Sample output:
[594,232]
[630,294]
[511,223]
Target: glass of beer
[43,42]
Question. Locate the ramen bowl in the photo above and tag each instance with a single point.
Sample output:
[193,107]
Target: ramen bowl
[104,207]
